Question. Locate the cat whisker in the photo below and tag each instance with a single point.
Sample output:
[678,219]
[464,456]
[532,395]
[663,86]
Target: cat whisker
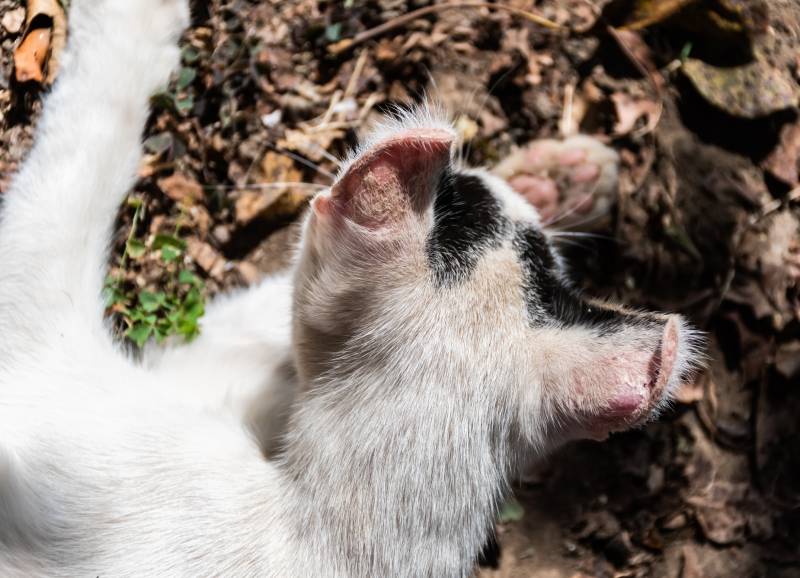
[558,234]
[273,185]
[572,243]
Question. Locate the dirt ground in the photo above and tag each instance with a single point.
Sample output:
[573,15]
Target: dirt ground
[701,104]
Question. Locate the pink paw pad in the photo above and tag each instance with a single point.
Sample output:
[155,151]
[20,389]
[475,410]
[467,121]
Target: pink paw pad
[571,181]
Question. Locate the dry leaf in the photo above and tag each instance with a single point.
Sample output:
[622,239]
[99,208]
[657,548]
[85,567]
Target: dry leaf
[42,43]
[690,392]
[206,256]
[787,359]
[707,17]
[278,168]
[750,91]
[13,20]
[720,519]
[312,143]
[181,188]
[630,110]
[784,161]
[648,12]
[273,200]
[248,272]
[251,204]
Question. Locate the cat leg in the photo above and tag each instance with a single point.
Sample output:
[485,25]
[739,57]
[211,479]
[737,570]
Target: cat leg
[240,361]
[57,216]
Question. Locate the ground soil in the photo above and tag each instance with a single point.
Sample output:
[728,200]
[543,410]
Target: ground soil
[706,223]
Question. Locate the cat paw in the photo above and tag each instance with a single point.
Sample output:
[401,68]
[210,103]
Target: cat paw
[134,38]
[571,182]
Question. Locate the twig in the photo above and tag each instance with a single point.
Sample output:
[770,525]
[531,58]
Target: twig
[403,19]
[566,127]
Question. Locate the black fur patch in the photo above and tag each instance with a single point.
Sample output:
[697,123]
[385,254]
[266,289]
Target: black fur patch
[468,219]
[547,297]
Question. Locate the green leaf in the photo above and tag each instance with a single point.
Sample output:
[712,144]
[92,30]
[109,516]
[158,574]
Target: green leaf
[512,511]
[185,78]
[160,241]
[195,311]
[158,144]
[685,52]
[139,333]
[163,101]
[169,253]
[184,104]
[134,202]
[333,32]
[112,296]
[188,278]
[190,55]
[135,248]
[151,302]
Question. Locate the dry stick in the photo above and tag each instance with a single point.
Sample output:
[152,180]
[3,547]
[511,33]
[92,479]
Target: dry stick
[403,19]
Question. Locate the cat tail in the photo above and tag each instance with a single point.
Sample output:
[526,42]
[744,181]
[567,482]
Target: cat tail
[56,219]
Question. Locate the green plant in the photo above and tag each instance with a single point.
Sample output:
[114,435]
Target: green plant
[176,309]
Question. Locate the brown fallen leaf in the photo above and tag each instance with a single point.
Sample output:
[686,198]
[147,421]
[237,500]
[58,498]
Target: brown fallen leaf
[42,43]
[771,256]
[630,110]
[648,12]
[248,272]
[711,19]
[311,142]
[273,195]
[753,90]
[13,20]
[719,513]
[251,204]
[206,256]
[181,188]
[784,161]
[690,392]
[275,167]
[787,359]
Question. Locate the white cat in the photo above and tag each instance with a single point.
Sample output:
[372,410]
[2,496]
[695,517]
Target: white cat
[435,345]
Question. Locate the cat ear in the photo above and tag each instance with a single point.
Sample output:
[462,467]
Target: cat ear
[391,180]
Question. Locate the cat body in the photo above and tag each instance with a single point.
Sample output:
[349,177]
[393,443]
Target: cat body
[426,339]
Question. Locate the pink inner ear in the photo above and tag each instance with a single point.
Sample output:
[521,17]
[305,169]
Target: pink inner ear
[394,178]
[654,377]
[664,360]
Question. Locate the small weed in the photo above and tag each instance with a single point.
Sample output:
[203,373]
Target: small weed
[174,310]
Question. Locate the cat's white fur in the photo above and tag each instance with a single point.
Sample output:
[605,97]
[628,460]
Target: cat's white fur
[397,453]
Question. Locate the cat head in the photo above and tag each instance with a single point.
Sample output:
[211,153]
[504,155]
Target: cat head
[418,274]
